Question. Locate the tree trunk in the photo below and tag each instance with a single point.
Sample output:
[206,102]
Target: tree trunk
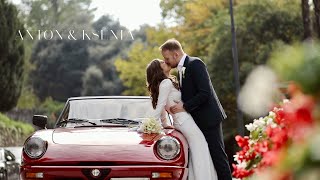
[317,16]
[306,19]
[55,6]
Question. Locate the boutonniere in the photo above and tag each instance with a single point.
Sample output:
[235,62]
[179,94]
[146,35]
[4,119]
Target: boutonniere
[183,71]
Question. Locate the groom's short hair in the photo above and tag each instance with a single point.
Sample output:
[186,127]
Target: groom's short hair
[171,45]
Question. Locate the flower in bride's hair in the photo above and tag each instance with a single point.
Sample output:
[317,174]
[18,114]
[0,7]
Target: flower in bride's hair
[150,125]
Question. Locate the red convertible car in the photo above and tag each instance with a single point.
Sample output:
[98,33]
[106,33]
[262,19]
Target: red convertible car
[97,138]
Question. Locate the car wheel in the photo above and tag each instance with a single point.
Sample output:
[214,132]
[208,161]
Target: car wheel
[4,177]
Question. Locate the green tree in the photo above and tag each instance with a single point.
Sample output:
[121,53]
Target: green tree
[102,57]
[60,67]
[261,26]
[204,27]
[11,56]
[317,16]
[132,66]
[48,14]
[194,22]
[94,83]
[51,109]
[59,64]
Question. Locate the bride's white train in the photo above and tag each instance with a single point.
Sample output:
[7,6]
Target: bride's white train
[200,163]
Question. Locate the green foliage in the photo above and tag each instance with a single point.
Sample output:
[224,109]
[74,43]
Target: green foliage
[60,66]
[51,109]
[195,22]
[260,28]
[13,132]
[51,15]
[27,100]
[66,68]
[47,63]
[51,106]
[132,67]
[301,64]
[47,14]
[94,83]
[11,56]
[101,77]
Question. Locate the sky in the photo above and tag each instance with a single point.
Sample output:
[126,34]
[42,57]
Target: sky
[130,13]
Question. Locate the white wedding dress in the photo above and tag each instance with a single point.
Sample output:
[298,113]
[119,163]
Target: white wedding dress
[200,162]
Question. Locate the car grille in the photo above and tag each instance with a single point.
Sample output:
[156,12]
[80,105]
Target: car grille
[87,173]
[104,174]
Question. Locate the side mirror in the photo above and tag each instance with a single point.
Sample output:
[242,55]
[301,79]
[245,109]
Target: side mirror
[9,158]
[40,121]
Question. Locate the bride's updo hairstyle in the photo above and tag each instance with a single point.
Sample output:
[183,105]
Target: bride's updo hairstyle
[155,75]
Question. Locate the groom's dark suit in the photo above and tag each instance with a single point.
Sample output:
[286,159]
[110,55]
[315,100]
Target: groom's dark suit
[201,101]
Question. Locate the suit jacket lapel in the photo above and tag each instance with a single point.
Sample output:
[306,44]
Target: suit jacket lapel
[186,61]
[185,64]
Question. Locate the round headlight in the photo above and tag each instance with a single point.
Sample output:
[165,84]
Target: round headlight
[168,147]
[35,147]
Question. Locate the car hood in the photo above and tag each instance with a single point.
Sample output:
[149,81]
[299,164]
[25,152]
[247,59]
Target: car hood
[105,146]
[100,136]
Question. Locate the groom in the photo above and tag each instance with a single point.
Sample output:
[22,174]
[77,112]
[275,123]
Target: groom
[200,100]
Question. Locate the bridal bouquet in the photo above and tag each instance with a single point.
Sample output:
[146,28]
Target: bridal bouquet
[150,125]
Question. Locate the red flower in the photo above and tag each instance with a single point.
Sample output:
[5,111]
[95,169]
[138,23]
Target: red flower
[261,147]
[241,172]
[304,115]
[278,136]
[241,155]
[279,115]
[245,155]
[294,119]
[243,142]
[299,111]
[270,158]
[298,116]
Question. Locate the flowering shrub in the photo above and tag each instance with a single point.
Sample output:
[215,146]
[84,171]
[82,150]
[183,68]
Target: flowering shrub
[285,144]
[254,146]
[271,136]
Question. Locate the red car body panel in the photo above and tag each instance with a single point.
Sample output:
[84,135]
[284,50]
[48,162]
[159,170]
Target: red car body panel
[125,153]
[76,172]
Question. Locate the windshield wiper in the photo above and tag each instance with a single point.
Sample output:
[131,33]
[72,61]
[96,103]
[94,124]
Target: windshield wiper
[122,121]
[76,120]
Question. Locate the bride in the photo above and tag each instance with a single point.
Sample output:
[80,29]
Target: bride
[164,92]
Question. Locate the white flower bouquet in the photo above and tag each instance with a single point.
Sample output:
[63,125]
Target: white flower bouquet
[150,125]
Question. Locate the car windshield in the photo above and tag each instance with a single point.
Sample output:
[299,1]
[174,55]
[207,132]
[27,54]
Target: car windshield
[88,112]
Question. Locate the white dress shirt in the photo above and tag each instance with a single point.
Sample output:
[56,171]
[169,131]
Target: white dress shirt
[180,66]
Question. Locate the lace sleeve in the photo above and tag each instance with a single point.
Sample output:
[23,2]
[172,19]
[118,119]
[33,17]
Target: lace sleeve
[164,90]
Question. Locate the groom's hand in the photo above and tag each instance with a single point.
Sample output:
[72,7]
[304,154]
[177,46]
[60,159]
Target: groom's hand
[177,108]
